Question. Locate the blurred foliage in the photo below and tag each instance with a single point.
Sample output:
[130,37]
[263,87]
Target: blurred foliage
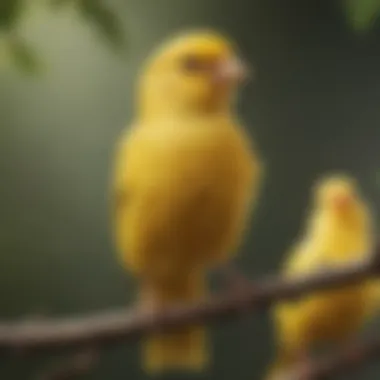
[105,19]
[23,56]
[9,13]
[16,51]
[100,14]
[362,14]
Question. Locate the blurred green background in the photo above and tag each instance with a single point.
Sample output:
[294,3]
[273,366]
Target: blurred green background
[66,90]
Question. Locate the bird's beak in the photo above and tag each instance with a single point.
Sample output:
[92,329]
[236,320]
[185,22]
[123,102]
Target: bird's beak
[342,202]
[231,70]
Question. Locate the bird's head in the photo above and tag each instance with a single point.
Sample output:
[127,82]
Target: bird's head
[195,72]
[338,194]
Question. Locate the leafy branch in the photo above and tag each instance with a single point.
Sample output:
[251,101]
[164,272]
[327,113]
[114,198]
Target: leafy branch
[97,12]
[362,14]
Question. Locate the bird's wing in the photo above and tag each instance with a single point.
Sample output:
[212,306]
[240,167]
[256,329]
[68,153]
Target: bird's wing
[304,258]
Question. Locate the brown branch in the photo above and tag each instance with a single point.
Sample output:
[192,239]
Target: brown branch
[114,327]
[347,358]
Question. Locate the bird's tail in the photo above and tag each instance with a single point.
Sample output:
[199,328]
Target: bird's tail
[184,348]
[282,364]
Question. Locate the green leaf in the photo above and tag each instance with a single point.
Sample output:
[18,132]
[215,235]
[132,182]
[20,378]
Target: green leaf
[105,20]
[9,13]
[362,14]
[23,56]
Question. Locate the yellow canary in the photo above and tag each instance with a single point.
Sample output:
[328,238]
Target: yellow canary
[338,231]
[186,176]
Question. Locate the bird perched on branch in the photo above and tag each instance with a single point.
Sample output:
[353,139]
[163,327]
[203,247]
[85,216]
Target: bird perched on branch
[339,230]
[186,176]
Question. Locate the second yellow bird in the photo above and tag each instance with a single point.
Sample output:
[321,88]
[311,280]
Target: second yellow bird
[339,230]
[186,175]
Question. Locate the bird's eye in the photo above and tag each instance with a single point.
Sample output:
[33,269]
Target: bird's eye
[192,63]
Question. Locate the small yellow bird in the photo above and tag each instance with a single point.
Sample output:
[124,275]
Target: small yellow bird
[339,231]
[185,179]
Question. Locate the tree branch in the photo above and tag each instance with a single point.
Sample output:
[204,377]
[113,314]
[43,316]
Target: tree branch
[347,358]
[111,328]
